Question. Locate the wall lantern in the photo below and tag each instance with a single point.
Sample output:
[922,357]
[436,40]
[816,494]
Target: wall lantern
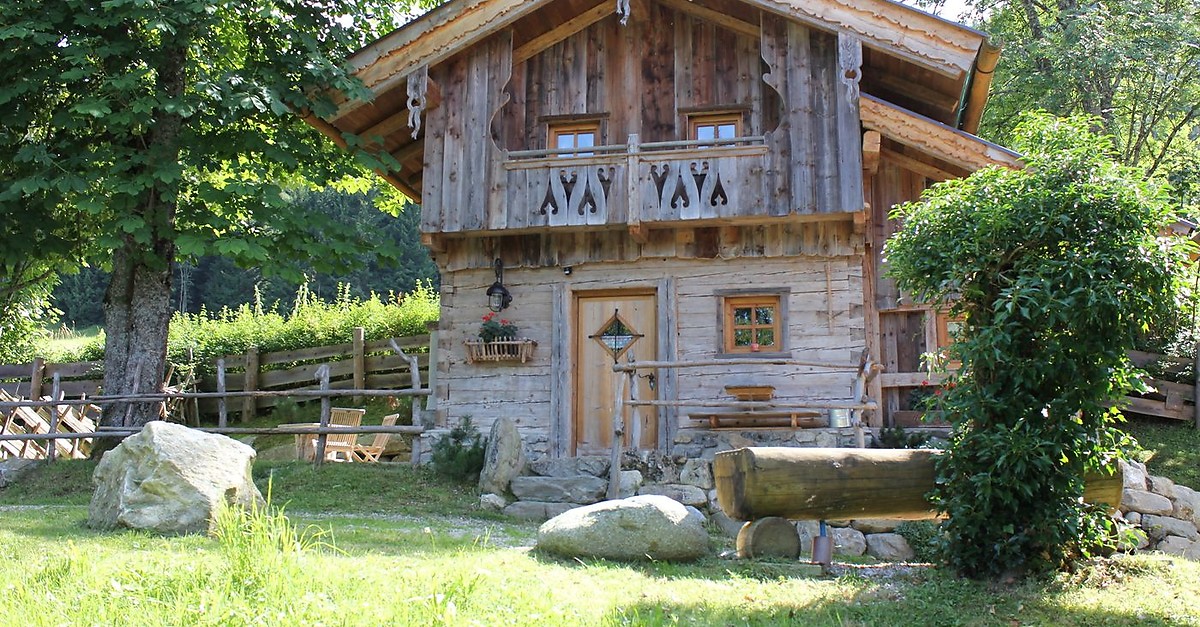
[498,296]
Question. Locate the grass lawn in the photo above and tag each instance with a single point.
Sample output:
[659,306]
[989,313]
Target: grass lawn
[1172,448]
[408,548]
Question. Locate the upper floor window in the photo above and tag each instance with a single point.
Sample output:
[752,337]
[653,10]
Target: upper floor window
[574,138]
[713,126]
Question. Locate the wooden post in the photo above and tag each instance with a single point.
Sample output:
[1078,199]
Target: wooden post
[1196,388]
[55,392]
[35,378]
[360,363]
[222,417]
[614,460]
[431,400]
[322,376]
[415,371]
[250,404]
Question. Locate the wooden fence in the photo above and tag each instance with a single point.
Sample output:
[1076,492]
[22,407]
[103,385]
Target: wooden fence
[355,365]
[1169,399]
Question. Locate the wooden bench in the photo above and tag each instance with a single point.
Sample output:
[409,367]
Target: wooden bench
[734,419]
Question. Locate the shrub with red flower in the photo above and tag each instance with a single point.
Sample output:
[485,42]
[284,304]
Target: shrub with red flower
[494,329]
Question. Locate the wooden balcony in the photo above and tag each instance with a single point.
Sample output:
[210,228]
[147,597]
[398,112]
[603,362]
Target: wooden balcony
[634,184]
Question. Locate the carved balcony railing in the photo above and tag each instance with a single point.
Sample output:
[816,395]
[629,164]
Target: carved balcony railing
[637,183]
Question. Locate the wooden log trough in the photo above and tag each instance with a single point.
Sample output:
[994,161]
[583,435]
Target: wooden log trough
[843,483]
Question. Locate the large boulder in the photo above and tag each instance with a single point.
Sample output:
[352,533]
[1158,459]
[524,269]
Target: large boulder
[889,547]
[170,479]
[637,528]
[503,459]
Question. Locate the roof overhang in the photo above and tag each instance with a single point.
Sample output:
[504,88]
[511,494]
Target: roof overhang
[960,149]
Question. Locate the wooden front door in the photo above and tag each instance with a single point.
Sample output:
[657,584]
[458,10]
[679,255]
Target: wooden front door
[613,325]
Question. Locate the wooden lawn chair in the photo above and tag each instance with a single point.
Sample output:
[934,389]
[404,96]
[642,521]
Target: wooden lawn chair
[340,446]
[372,451]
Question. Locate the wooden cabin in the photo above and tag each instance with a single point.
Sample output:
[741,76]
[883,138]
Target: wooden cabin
[670,180]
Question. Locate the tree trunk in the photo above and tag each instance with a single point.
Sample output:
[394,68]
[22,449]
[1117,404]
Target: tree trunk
[137,304]
[137,311]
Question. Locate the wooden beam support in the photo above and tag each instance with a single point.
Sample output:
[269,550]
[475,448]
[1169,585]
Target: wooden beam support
[639,233]
[943,103]
[411,150]
[334,134]
[434,242]
[934,138]
[385,128]
[720,19]
[532,47]
[872,142]
[926,170]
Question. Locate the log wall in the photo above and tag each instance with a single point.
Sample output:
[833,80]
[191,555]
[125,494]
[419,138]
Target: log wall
[824,322]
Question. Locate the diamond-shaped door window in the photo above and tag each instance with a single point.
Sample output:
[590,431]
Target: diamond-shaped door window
[616,336]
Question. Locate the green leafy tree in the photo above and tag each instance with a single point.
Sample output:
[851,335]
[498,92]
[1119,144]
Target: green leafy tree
[139,131]
[1056,269]
[1132,64]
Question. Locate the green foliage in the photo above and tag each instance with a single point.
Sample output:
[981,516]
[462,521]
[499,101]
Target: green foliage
[459,455]
[1056,269]
[923,536]
[310,322]
[897,437]
[1133,63]
[25,313]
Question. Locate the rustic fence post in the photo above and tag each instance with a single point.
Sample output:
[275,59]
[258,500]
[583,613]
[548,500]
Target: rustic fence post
[322,376]
[35,378]
[614,462]
[1196,388]
[250,403]
[55,393]
[431,400]
[222,418]
[360,362]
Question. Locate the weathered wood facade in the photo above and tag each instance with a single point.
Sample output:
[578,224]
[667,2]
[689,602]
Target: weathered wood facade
[820,116]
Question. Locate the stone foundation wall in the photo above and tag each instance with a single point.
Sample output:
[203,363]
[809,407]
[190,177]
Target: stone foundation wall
[1164,516]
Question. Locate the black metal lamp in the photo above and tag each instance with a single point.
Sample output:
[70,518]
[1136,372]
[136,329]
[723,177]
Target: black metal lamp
[498,296]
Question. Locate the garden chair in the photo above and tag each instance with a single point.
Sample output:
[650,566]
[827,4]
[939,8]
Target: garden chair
[340,446]
[372,451]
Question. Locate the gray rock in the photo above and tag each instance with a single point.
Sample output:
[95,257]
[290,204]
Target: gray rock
[1160,527]
[827,440]
[170,479]
[1134,518]
[537,511]
[727,525]
[1146,502]
[697,472]
[1187,502]
[890,547]
[1162,486]
[1174,545]
[807,530]
[696,514]
[1133,474]
[638,528]
[875,525]
[504,457]
[12,470]
[686,494]
[492,503]
[594,465]
[631,480]
[578,489]
[768,537]
[1193,553]
[848,541]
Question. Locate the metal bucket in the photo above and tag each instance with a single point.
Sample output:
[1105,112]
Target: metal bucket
[839,418]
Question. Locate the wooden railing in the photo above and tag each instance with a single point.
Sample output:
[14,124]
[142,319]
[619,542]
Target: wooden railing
[637,183]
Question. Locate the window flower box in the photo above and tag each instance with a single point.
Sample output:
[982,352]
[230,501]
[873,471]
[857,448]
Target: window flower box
[508,349]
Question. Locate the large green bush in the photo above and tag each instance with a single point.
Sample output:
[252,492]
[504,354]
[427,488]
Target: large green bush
[1056,269]
[310,322]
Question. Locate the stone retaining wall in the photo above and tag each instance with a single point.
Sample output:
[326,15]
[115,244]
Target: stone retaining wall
[1164,516]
